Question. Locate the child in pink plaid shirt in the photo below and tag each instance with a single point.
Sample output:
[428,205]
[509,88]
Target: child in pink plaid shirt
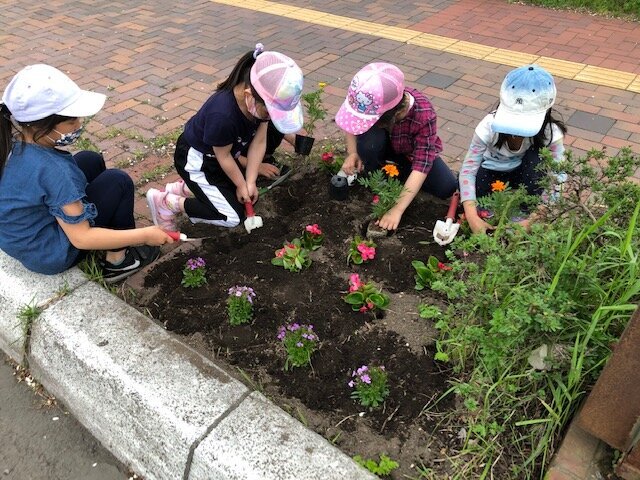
[387,122]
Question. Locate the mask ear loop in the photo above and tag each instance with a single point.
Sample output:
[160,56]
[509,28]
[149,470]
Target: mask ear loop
[258,50]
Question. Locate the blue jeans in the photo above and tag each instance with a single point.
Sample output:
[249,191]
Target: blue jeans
[374,149]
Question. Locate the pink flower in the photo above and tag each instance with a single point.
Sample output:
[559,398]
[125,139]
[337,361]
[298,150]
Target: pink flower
[442,266]
[363,309]
[327,157]
[375,199]
[280,253]
[354,282]
[367,253]
[313,229]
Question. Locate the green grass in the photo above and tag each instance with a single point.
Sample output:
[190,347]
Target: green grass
[616,8]
[157,173]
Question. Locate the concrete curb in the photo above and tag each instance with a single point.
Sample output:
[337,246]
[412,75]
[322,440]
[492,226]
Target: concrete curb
[159,406]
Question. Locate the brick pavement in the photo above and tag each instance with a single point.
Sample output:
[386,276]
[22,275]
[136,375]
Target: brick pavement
[157,62]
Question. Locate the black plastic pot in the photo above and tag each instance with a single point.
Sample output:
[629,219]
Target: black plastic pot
[303,144]
[338,188]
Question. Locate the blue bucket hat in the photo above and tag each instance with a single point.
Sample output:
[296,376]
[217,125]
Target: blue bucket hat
[525,96]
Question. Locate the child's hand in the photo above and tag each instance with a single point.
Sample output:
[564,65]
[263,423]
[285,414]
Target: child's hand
[352,164]
[155,236]
[478,225]
[242,193]
[390,220]
[268,170]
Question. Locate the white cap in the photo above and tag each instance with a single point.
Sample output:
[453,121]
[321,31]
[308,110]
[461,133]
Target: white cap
[39,91]
[525,96]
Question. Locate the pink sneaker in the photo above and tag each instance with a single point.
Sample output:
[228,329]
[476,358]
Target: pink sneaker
[178,188]
[161,214]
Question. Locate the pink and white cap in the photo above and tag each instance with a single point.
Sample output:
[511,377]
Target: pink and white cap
[375,89]
[278,80]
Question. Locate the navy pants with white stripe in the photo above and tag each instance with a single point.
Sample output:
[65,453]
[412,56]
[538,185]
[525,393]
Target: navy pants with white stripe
[214,200]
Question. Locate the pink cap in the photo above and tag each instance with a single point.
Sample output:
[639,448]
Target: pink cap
[278,80]
[375,89]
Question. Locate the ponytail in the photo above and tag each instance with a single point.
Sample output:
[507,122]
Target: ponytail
[6,128]
[241,73]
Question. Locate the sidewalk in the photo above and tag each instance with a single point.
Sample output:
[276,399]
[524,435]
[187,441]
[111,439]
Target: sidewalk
[158,63]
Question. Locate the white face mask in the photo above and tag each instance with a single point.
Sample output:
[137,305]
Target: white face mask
[252,107]
[66,138]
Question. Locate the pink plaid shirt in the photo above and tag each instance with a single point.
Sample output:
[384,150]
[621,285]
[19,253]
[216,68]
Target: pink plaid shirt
[415,135]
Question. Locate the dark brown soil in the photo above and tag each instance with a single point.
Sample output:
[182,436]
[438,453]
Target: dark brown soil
[319,396]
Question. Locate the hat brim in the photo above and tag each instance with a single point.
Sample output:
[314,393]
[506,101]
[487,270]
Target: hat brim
[84,105]
[354,122]
[520,124]
[286,121]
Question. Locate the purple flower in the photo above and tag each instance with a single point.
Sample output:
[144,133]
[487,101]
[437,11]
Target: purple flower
[362,369]
[365,378]
[299,345]
[351,384]
[282,332]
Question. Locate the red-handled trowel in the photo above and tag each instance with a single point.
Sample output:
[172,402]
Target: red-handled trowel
[252,222]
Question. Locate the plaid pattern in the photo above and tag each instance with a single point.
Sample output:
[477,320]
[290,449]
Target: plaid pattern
[415,135]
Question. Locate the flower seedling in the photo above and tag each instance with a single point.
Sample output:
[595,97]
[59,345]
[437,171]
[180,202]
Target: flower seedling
[292,256]
[385,187]
[312,237]
[361,250]
[370,385]
[429,273]
[316,111]
[330,162]
[365,297]
[240,304]
[300,341]
[193,274]
[504,205]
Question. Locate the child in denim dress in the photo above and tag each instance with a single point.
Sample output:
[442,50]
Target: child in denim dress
[54,206]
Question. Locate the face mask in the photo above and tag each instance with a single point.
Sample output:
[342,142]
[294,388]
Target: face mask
[252,107]
[66,138]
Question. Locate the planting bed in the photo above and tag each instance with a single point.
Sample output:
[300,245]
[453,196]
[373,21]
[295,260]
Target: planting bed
[319,395]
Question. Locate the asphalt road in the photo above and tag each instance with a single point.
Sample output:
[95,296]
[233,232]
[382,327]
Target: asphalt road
[40,442]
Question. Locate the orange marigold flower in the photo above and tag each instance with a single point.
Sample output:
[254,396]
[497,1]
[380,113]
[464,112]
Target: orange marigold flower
[391,170]
[498,186]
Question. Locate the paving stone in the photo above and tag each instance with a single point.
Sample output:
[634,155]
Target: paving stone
[591,122]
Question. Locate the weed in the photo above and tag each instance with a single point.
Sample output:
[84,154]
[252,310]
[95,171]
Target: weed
[384,467]
[570,282]
[156,173]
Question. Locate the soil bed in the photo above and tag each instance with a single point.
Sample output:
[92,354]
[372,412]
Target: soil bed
[318,396]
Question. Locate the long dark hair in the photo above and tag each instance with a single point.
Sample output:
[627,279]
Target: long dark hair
[5,135]
[540,139]
[241,73]
[40,129]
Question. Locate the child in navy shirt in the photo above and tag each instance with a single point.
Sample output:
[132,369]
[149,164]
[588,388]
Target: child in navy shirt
[245,118]
[54,206]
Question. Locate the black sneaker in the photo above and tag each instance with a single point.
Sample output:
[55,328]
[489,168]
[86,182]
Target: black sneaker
[135,258]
